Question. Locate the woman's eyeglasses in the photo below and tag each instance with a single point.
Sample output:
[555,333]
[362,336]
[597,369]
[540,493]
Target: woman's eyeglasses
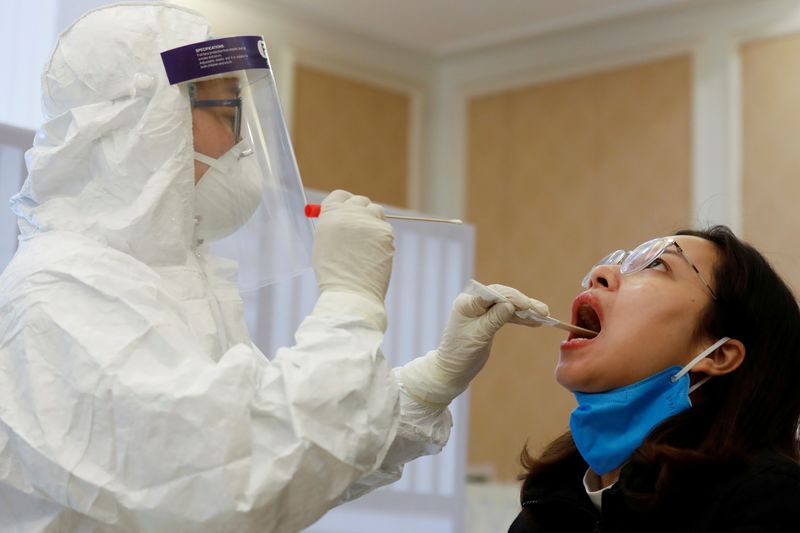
[642,257]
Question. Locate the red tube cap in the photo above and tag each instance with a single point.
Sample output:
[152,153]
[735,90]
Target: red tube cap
[313,210]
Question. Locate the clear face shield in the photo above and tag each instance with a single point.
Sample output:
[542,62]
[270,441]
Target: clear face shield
[249,199]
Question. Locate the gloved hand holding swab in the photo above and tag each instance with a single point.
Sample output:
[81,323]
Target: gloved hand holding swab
[528,317]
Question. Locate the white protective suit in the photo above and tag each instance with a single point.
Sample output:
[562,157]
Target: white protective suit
[131,396]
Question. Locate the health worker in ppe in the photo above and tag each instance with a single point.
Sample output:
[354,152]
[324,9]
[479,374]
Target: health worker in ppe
[687,399]
[131,395]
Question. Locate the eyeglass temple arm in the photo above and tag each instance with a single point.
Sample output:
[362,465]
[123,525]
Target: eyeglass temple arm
[694,267]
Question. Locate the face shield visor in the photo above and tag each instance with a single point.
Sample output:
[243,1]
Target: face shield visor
[249,199]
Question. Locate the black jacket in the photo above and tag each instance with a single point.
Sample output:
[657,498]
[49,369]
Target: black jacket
[760,496]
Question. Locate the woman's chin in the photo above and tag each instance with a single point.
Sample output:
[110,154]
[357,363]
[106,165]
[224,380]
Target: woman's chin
[579,374]
[567,376]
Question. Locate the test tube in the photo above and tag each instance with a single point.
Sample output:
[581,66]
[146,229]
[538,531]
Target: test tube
[313,211]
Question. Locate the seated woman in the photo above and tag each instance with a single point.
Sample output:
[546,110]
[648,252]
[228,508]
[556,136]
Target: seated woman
[701,315]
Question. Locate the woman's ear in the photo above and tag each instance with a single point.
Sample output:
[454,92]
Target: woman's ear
[723,360]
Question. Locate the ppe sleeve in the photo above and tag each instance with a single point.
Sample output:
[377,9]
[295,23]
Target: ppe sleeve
[109,407]
[424,429]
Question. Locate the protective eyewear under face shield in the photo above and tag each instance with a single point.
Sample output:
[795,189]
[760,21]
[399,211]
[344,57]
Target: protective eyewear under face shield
[226,110]
[642,257]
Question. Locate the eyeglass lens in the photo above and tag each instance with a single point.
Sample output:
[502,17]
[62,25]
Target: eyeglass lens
[643,255]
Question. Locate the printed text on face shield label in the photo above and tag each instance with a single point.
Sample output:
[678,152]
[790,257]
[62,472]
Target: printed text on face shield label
[209,58]
[217,56]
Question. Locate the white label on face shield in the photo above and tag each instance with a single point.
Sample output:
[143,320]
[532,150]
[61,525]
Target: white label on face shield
[218,56]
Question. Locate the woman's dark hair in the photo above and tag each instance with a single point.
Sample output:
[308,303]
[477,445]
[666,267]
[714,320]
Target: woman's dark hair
[754,408]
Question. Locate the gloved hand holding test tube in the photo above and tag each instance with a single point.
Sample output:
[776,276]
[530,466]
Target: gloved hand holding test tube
[529,317]
[313,211]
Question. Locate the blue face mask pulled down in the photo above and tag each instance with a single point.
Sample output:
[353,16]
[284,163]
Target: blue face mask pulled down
[608,426]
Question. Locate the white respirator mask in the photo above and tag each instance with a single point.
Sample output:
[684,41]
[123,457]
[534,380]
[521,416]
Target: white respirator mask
[227,194]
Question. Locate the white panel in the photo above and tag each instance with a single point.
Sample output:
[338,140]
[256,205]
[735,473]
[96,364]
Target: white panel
[11,173]
[425,475]
[13,143]
[450,467]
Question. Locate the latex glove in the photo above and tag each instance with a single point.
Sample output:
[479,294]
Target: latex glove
[352,254]
[441,375]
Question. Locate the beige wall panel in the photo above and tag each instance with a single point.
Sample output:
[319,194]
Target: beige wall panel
[559,175]
[351,135]
[771,158]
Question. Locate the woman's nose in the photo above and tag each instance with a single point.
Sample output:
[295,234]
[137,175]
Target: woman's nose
[605,276]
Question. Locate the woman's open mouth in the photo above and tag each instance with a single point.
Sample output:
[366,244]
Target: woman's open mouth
[585,314]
